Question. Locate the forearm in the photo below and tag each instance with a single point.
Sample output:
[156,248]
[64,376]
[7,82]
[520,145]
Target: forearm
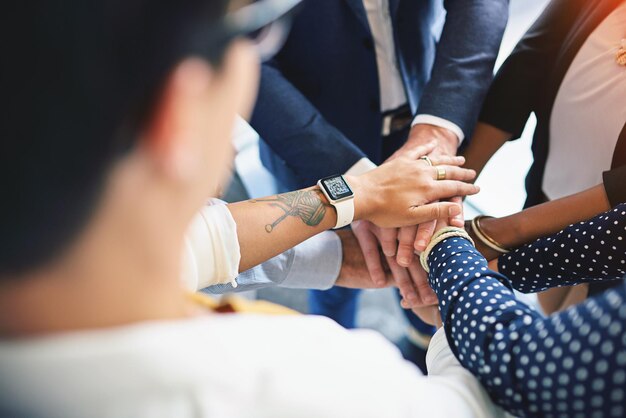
[581,253]
[546,219]
[485,142]
[463,67]
[279,222]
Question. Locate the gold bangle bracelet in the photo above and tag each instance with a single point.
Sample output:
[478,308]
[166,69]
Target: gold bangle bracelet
[486,239]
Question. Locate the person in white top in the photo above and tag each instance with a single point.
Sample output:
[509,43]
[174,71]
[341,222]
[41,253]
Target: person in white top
[103,179]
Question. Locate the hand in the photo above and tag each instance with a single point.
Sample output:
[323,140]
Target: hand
[413,288]
[398,193]
[447,144]
[354,268]
[422,134]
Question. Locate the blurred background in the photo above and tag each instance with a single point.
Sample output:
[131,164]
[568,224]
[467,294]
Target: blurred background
[502,184]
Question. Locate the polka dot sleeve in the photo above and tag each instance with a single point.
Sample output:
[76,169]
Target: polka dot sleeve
[588,251]
[572,364]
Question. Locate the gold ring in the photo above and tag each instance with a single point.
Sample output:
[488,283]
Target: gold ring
[441,173]
[428,160]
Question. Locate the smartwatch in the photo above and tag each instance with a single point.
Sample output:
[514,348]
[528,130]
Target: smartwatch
[340,195]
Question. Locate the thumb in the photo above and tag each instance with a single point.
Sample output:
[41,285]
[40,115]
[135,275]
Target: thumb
[433,211]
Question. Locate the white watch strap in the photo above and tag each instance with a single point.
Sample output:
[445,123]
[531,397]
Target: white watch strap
[345,213]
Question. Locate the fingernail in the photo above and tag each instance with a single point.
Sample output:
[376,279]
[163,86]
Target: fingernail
[403,261]
[420,245]
[454,210]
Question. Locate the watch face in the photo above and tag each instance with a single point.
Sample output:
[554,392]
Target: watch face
[336,187]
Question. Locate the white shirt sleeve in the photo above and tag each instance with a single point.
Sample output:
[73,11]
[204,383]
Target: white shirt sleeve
[442,123]
[444,368]
[211,253]
[312,264]
[361,167]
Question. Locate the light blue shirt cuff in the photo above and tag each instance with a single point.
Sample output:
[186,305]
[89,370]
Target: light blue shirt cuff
[314,264]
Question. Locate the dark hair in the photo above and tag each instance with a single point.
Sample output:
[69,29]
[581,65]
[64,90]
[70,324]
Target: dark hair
[77,81]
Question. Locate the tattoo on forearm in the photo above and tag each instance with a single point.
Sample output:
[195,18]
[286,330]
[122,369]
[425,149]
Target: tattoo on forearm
[308,205]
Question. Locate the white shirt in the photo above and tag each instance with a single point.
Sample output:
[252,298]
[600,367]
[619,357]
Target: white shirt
[589,112]
[235,366]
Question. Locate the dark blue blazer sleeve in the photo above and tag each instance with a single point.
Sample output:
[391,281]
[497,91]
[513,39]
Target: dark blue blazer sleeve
[466,54]
[309,146]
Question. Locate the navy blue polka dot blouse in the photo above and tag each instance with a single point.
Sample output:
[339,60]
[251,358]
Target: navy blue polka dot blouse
[571,364]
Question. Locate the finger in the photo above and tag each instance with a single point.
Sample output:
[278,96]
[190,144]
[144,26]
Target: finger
[447,189]
[421,285]
[406,238]
[444,159]
[432,211]
[369,245]
[404,304]
[415,152]
[403,281]
[424,234]
[453,172]
[388,241]
[458,220]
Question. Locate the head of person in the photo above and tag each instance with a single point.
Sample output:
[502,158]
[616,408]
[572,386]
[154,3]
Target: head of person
[116,127]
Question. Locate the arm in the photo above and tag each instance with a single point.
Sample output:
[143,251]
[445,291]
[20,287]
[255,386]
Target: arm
[517,88]
[461,74]
[581,253]
[485,142]
[325,260]
[295,130]
[572,363]
[395,194]
[515,91]
[313,264]
[546,219]
[463,67]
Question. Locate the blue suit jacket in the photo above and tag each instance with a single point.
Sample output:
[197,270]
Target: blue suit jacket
[318,110]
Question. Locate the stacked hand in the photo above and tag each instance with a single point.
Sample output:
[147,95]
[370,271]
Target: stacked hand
[399,245]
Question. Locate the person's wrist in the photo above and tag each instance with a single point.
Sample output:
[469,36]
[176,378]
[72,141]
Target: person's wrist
[486,252]
[495,228]
[363,202]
